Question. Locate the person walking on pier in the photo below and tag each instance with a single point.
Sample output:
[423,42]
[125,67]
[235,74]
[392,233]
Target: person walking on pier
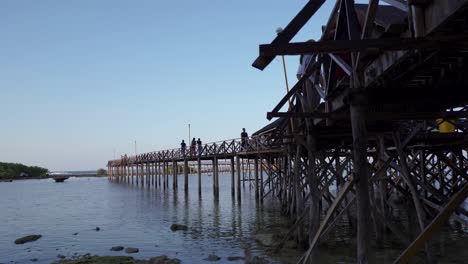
[244,139]
[192,147]
[199,147]
[183,147]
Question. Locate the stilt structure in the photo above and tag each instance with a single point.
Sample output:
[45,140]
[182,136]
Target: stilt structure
[392,122]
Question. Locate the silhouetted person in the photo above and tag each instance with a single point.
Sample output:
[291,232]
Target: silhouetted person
[183,147]
[199,147]
[192,147]
[244,139]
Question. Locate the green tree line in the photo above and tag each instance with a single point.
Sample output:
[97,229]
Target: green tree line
[14,170]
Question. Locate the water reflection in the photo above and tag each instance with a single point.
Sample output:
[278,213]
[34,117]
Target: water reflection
[140,216]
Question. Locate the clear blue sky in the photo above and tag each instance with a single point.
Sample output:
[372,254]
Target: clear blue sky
[79,79]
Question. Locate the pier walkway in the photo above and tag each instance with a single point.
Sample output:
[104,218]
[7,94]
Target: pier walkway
[392,125]
[248,160]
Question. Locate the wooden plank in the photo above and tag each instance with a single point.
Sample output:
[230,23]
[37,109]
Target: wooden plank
[298,86]
[290,31]
[339,198]
[434,226]
[459,42]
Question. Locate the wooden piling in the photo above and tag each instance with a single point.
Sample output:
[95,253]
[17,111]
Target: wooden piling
[361,178]
[238,163]
[199,177]
[186,172]
[261,179]
[174,174]
[233,187]
[256,179]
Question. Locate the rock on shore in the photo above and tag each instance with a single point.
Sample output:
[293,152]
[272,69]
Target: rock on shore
[131,250]
[27,239]
[118,260]
[213,258]
[117,248]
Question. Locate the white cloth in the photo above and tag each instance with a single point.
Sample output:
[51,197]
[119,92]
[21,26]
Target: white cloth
[302,66]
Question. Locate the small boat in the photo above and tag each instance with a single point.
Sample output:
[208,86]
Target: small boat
[60,178]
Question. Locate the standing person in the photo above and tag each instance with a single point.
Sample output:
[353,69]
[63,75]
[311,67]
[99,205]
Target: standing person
[183,147]
[192,147]
[199,147]
[313,97]
[244,139]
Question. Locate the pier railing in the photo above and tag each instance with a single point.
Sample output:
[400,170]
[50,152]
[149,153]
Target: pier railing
[220,149]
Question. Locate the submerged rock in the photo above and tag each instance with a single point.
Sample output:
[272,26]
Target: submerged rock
[257,260]
[88,259]
[264,239]
[163,260]
[176,227]
[131,250]
[213,258]
[98,260]
[235,258]
[117,248]
[27,239]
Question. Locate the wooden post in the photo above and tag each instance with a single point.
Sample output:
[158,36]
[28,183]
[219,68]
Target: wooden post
[238,163]
[174,174]
[164,167]
[233,187]
[199,177]
[142,177]
[215,165]
[160,174]
[361,177]
[261,179]
[186,171]
[256,179]
[137,174]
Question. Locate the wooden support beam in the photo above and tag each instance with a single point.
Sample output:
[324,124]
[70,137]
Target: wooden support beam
[199,177]
[459,42]
[375,115]
[290,31]
[434,226]
[233,175]
[238,163]
[257,188]
[186,172]
[339,198]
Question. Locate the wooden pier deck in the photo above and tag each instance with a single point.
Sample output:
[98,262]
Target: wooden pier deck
[154,168]
[392,124]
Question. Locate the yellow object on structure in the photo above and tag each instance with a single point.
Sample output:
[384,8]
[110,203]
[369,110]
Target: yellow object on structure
[445,126]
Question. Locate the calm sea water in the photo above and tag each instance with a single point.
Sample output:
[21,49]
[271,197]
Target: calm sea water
[136,216]
[127,215]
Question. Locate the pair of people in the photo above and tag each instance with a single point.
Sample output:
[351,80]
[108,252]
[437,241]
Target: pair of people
[195,144]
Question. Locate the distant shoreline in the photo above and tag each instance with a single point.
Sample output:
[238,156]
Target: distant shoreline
[52,176]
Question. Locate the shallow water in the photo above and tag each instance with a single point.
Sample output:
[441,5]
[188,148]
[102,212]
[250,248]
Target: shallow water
[127,215]
[136,216]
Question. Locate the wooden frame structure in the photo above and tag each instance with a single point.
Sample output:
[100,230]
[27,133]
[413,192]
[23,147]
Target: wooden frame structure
[392,126]
[384,73]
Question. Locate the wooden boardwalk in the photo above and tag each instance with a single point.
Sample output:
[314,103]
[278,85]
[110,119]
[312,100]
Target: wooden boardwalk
[392,125]
[154,168]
